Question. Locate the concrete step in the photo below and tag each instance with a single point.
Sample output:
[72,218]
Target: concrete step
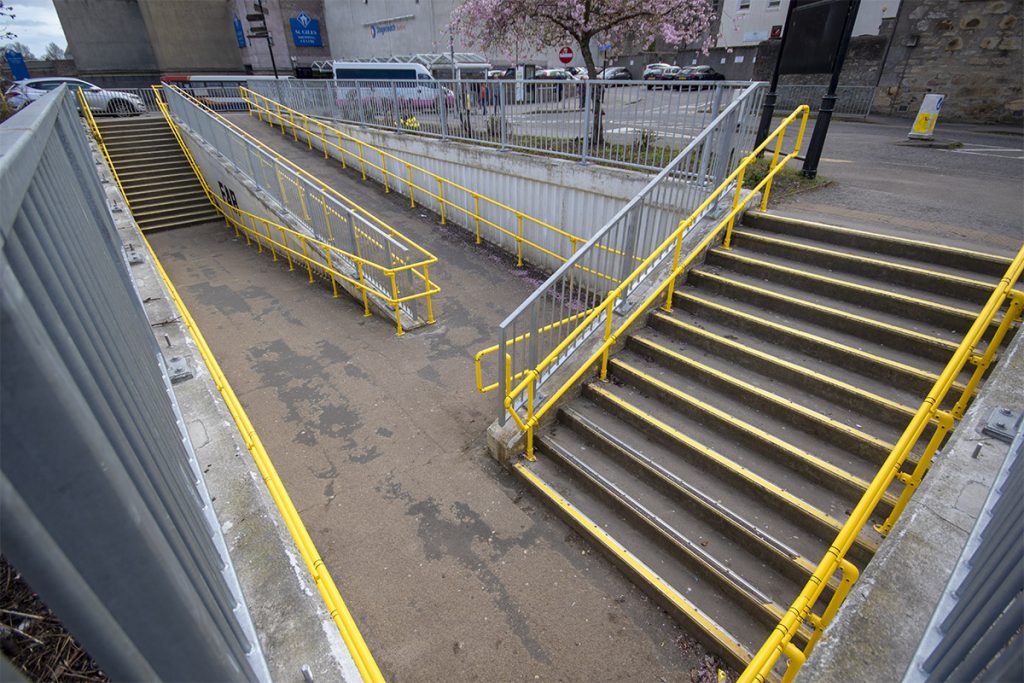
[887,269]
[171,207]
[181,220]
[936,345]
[183,185]
[653,567]
[933,309]
[157,167]
[936,256]
[735,434]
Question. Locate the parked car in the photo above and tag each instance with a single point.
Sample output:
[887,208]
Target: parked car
[615,73]
[578,73]
[553,75]
[651,71]
[666,78]
[700,73]
[115,102]
[15,98]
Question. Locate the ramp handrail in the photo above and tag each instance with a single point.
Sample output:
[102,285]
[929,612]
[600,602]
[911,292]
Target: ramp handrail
[372,246]
[780,642]
[631,238]
[298,121]
[308,248]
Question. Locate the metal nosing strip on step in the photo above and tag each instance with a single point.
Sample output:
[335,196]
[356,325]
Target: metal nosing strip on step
[826,468]
[713,630]
[889,238]
[785,403]
[665,529]
[724,512]
[828,310]
[893,365]
[778,493]
[853,258]
[934,306]
[767,358]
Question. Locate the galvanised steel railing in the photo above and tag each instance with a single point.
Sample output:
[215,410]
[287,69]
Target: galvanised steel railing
[978,348]
[383,260]
[851,100]
[488,218]
[641,124]
[549,319]
[601,318]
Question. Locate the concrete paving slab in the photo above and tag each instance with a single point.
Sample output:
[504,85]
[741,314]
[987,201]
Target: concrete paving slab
[451,572]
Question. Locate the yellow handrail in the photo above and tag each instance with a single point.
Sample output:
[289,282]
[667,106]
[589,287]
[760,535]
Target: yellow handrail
[95,129]
[428,258]
[297,121]
[245,224]
[674,242]
[780,640]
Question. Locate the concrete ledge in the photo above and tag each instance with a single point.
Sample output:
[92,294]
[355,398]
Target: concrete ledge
[290,619]
[876,632]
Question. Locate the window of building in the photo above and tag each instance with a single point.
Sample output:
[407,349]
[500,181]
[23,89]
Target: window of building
[744,4]
[773,3]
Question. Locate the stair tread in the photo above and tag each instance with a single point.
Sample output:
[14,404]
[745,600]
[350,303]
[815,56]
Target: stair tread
[737,406]
[805,488]
[906,260]
[776,523]
[941,332]
[703,595]
[903,354]
[955,316]
[699,547]
[846,382]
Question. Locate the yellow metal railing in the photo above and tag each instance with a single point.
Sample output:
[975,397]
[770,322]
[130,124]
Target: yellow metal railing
[417,268]
[95,130]
[317,256]
[443,191]
[671,243]
[780,642]
[329,593]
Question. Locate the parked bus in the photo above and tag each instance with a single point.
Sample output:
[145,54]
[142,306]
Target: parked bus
[217,91]
[408,84]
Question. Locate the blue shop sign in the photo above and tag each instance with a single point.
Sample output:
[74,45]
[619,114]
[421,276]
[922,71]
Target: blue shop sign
[239,32]
[305,31]
[16,61]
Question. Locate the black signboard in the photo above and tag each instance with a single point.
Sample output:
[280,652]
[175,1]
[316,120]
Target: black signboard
[813,35]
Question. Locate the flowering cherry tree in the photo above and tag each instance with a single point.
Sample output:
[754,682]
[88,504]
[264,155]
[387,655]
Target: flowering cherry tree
[506,24]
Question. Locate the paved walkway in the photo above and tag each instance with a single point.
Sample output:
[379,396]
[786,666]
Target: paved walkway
[451,572]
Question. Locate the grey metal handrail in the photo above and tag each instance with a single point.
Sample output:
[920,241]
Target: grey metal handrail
[540,323]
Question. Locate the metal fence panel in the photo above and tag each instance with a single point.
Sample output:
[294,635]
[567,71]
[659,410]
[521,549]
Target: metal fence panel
[547,317]
[104,508]
[852,100]
[641,124]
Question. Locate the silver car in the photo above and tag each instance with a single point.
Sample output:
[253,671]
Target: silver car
[115,102]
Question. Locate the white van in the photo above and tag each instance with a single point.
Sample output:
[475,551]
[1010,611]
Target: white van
[410,83]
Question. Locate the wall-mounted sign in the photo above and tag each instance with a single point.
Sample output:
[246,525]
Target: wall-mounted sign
[305,31]
[16,61]
[239,32]
[379,28]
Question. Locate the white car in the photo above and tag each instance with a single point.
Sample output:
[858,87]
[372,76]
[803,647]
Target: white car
[116,102]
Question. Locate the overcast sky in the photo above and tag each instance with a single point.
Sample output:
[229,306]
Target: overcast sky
[35,23]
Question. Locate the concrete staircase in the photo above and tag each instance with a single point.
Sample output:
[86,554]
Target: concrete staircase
[163,190]
[735,434]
